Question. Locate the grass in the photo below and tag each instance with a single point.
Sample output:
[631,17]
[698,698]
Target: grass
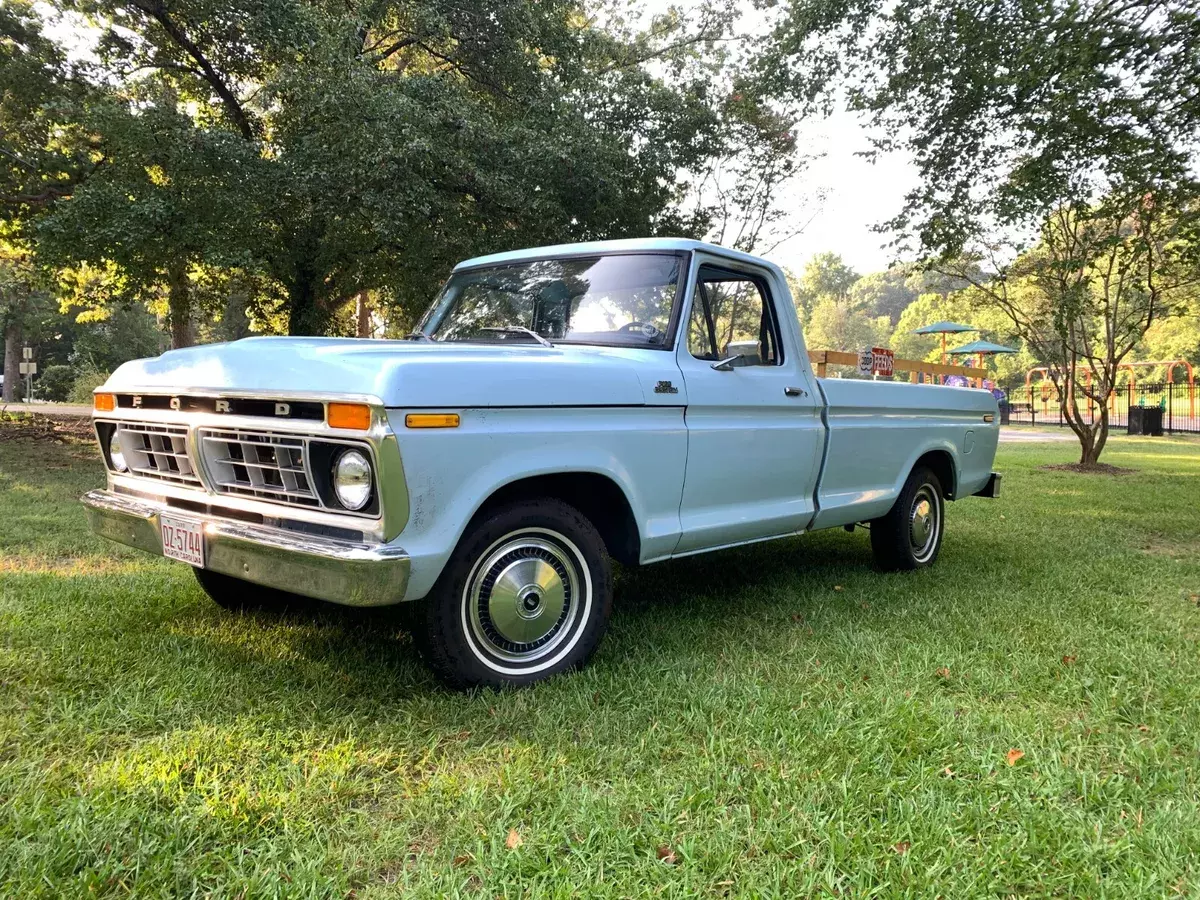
[776,721]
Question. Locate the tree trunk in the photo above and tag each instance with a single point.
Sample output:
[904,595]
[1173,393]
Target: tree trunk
[363,315]
[307,316]
[179,306]
[12,361]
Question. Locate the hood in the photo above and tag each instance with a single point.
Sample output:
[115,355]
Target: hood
[410,373]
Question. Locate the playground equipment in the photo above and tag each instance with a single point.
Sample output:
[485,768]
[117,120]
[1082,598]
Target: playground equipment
[1046,385]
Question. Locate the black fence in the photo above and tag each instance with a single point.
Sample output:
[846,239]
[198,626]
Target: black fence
[1180,405]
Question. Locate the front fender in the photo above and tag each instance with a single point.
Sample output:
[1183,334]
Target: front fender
[452,472]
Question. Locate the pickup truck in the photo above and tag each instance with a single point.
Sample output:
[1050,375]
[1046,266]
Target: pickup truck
[556,409]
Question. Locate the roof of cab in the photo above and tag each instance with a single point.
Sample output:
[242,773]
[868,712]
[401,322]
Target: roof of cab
[623,246]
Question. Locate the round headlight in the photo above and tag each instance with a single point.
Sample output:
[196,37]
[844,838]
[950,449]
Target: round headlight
[115,456]
[352,479]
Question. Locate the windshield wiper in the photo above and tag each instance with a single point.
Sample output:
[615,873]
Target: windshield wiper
[518,329]
[418,336]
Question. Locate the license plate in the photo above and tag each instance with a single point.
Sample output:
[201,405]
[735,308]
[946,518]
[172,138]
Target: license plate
[183,539]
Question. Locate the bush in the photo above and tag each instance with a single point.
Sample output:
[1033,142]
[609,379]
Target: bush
[55,383]
[86,380]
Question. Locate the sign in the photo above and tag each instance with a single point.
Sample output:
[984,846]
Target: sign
[27,353]
[876,361]
[28,368]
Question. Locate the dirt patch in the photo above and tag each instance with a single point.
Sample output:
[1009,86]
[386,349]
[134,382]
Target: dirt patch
[1170,547]
[36,427]
[1089,469]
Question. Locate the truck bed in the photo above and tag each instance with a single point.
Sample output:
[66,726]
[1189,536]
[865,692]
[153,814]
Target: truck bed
[877,430]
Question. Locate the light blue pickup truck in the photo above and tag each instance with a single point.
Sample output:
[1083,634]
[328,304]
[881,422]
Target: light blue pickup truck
[556,409]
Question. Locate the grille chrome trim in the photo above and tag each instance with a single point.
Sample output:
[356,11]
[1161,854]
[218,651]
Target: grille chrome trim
[157,451]
[259,464]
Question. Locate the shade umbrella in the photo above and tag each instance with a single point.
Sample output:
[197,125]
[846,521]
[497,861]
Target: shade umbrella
[980,349]
[944,328]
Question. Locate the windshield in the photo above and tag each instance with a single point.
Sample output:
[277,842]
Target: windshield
[618,299]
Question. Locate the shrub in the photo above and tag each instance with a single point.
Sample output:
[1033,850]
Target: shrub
[55,383]
[87,380]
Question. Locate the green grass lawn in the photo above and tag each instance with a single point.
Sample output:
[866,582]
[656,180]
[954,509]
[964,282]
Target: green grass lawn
[775,721]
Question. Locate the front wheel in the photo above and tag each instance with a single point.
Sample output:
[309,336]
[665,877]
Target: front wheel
[526,595]
[909,535]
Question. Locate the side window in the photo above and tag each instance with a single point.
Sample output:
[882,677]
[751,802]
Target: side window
[731,317]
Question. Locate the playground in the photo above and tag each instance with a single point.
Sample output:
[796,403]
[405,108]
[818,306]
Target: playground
[1037,403]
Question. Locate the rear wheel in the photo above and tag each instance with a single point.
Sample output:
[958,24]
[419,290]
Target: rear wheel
[239,595]
[909,536]
[526,595]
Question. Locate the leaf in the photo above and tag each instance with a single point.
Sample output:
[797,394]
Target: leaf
[837,587]
[514,840]
[902,847]
[1068,660]
[948,772]
[943,672]
[667,855]
[462,859]
[1014,755]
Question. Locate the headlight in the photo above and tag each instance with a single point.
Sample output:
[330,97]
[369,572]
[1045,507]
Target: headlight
[352,479]
[115,456]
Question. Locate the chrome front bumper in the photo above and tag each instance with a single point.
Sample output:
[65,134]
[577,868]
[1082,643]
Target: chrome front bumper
[337,571]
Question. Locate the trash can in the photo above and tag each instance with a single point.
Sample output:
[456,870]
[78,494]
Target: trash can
[1147,420]
[1005,412]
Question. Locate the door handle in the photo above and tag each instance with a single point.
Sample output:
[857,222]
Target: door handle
[795,392]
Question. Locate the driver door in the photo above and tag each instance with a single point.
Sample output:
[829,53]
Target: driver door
[754,429]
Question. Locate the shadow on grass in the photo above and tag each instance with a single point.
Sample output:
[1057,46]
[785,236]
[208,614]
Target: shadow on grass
[373,647]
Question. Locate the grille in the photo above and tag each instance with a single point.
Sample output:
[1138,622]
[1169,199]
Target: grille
[258,464]
[157,451]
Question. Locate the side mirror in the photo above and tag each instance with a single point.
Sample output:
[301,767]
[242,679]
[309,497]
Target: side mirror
[741,353]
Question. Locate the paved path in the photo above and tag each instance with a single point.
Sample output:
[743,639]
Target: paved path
[47,409]
[1033,436]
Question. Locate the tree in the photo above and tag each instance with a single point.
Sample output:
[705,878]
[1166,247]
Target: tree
[828,275]
[25,307]
[341,148]
[1072,124]
[43,154]
[1085,296]
[834,326]
[884,293]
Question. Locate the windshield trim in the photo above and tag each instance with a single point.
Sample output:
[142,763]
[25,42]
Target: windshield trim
[672,323]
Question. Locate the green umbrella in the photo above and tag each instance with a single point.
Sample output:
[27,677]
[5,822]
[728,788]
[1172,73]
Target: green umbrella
[977,347]
[944,328]
[980,349]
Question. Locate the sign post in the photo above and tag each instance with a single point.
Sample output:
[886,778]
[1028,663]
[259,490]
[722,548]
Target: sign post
[28,368]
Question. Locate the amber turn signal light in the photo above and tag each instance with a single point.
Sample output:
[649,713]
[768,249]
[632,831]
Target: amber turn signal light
[348,415]
[431,420]
[104,402]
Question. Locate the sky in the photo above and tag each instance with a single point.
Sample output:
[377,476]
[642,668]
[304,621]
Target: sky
[858,195]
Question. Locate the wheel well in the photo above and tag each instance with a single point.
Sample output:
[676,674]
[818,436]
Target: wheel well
[598,497]
[942,464]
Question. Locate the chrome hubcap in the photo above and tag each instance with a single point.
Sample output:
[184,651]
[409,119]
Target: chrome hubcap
[523,597]
[924,523]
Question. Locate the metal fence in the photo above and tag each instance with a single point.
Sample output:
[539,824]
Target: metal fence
[1180,403]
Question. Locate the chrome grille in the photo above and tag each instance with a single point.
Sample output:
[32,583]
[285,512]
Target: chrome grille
[157,451]
[259,464]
